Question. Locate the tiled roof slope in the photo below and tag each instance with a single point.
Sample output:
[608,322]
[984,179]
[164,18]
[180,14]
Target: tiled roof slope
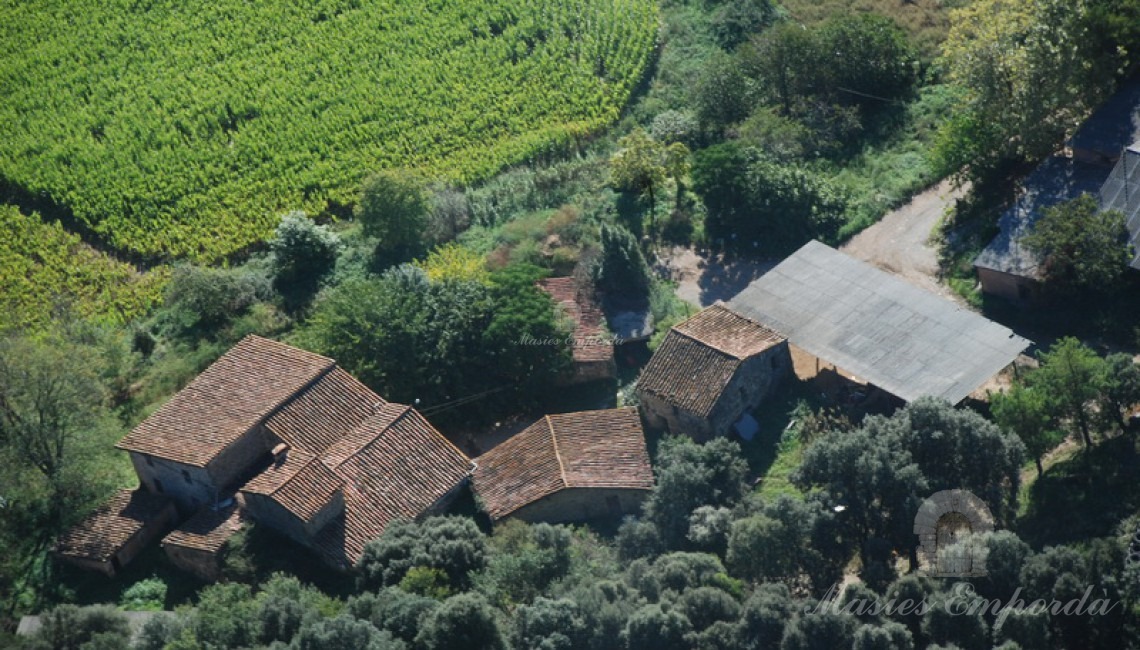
[208,530]
[394,465]
[699,356]
[589,334]
[301,484]
[230,397]
[113,524]
[588,449]
[321,415]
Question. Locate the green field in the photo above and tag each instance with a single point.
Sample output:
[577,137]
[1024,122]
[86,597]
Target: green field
[44,268]
[182,128]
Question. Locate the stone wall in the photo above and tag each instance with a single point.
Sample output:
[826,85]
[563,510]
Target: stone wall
[191,487]
[579,504]
[202,564]
[235,461]
[755,380]
[1005,285]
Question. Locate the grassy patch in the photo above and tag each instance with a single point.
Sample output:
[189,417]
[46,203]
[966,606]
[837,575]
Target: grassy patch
[1083,496]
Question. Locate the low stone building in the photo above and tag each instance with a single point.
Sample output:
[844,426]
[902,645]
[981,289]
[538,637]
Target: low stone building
[568,467]
[109,538]
[592,348]
[709,371]
[197,545]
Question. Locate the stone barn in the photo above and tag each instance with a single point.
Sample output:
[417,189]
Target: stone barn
[710,371]
[568,467]
[109,538]
[591,348]
[196,546]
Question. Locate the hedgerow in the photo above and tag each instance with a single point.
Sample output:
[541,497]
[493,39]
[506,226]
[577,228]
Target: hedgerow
[184,128]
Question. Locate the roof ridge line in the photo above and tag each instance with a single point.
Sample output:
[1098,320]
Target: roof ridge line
[557,454]
[707,344]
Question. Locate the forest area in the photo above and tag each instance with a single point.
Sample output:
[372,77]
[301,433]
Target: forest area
[310,189]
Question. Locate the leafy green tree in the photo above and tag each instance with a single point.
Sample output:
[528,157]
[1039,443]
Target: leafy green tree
[524,560]
[68,627]
[1005,556]
[55,447]
[224,617]
[950,622]
[1025,411]
[888,636]
[674,126]
[642,164]
[393,610]
[787,540]
[689,476]
[621,269]
[1121,391]
[723,94]
[764,616]
[452,544]
[202,300]
[1073,376]
[303,254]
[1029,77]
[549,625]
[283,607]
[735,22]
[655,627]
[394,207]
[394,333]
[463,622]
[761,206]
[704,606]
[1026,628]
[144,595]
[1083,248]
[344,633]
[883,470]
[819,631]
[159,631]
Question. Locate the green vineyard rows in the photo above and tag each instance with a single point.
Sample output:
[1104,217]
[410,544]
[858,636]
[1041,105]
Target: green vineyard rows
[181,128]
[45,268]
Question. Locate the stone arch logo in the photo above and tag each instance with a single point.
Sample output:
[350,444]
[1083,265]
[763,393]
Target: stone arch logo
[943,522]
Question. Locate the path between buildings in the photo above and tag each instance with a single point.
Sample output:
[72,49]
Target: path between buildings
[899,244]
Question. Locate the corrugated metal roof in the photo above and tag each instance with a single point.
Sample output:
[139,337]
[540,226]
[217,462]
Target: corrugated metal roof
[1122,192]
[904,340]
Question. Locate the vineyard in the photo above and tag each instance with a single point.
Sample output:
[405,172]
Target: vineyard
[44,268]
[181,128]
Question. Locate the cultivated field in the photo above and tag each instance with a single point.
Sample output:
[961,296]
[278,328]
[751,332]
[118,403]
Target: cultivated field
[181,128]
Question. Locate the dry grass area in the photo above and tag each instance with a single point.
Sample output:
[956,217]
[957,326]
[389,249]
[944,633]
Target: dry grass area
[927,21]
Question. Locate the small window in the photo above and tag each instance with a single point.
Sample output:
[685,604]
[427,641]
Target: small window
[158,486]
[149,461]
[186,476]
[775,361]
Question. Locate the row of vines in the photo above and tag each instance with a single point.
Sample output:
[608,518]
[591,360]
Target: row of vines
[44,269]
[180,128]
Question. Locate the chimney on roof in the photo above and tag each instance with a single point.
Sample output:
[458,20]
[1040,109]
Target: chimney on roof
[279,452]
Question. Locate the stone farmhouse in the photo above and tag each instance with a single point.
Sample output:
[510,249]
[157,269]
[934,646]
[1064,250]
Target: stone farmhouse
[286,438]
[710,371]
[568,467]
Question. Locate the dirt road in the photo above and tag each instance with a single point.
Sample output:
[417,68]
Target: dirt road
[900,242]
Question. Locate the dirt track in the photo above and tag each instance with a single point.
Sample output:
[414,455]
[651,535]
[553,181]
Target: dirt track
[900,242]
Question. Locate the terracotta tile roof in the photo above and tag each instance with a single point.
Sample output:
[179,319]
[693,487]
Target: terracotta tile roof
[395,465]
[588,449]
[699,357]
[113,524]
[324,413]
[729,332]
[208,530]
[301,484]
[590,340]
[230,397]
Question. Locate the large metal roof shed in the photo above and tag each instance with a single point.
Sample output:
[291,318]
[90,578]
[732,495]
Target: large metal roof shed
[905,340]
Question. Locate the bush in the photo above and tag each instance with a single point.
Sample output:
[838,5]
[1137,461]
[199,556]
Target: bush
[454,545]
[393,208]
[344,633]
[149,594]
[68,627]
[621,270]
[201,300]
[464,622]
[303,254]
